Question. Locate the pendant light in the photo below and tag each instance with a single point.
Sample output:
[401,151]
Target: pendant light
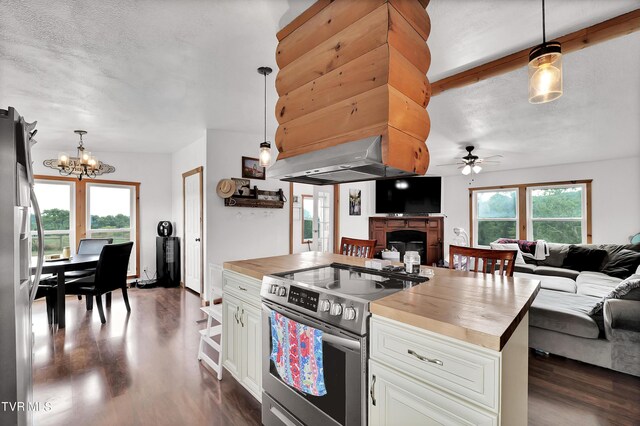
[265,146]
[545,69]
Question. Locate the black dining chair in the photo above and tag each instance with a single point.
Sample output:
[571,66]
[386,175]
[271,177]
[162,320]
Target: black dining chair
[88,246]
[49,290]
[111,274]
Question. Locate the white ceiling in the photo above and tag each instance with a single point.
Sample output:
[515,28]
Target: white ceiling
[150,76]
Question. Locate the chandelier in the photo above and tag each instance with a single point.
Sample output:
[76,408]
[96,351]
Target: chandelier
[84,164]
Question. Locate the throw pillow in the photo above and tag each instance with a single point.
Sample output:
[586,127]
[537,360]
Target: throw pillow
[519,258]
[627,289]
[557,255]
[622,263]
[581,258]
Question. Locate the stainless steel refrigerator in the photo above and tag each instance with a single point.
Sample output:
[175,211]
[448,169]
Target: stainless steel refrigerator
[18,286]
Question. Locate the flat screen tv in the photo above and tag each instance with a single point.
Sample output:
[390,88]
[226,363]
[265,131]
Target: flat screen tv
[413,195]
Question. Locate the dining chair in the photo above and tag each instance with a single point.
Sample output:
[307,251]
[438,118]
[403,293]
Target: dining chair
[49,290]
[493,261]
[88,246]
[207,335]
[111,274]
[357,248]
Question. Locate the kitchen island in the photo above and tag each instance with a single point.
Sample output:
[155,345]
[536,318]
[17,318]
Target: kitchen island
[453,349]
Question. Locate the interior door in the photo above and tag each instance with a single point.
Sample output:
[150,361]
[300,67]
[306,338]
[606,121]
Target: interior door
[192,187]
[323,218]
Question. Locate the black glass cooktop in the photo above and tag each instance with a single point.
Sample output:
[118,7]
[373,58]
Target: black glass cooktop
[354,281]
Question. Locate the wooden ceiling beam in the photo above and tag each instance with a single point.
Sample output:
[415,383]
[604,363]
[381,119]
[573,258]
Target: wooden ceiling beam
[612,28]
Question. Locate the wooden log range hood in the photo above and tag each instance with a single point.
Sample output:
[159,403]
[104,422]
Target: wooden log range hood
[353,92]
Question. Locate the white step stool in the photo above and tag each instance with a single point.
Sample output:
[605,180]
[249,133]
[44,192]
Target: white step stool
[213,312]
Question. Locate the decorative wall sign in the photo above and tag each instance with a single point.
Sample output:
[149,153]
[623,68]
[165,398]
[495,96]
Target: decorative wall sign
[355,202]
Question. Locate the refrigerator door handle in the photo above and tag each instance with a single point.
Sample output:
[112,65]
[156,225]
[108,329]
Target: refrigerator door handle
[36,210]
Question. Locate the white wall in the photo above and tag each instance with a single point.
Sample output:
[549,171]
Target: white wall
[615,195]
[185,159]
[235,232]
[151,170]
[357,226]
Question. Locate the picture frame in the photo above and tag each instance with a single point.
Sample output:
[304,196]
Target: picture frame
[243,187]
[251,169]
[355,202]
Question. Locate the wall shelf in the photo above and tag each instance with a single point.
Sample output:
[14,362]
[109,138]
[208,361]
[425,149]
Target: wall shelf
[258,199]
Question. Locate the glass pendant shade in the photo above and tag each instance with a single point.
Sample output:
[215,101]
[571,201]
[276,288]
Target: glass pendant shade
[63,160]
[545,73]
[466,170]
[265,154]
[476,169]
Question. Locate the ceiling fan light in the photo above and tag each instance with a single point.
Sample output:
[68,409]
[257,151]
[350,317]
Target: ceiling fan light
[545,73]
[476,168]
[466,170]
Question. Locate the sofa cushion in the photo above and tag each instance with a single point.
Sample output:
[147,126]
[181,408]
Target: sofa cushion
[622,263]
[526,268]
[596,284]
[628,289]
[557,254]
[583,258]
[550,282]
[556,272]
[564,313]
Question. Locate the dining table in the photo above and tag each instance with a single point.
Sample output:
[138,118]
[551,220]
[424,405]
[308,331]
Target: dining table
[78,262]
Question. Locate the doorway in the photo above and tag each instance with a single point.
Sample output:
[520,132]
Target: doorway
[313,217]
[192,235]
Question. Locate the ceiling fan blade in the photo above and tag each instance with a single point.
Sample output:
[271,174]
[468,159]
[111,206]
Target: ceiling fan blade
[492,162]
[492,156]
[450,164]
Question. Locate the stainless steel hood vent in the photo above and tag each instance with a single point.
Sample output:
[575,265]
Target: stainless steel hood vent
[348,162]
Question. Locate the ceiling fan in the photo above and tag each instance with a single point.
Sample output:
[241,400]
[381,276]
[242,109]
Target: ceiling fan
[471,163]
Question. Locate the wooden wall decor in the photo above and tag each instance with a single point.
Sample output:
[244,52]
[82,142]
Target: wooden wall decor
[355,69]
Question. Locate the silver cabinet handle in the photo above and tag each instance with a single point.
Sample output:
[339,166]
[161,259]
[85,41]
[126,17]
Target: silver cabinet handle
[235,315]
[424,358]
[242,288]
[241,314]
[372,391]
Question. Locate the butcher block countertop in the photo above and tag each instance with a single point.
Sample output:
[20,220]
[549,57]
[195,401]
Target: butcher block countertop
[480,309]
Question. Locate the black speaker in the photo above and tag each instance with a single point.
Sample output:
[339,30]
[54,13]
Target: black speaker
[168,261]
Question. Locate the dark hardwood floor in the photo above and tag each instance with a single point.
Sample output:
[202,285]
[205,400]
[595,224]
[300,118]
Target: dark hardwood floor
[141,369]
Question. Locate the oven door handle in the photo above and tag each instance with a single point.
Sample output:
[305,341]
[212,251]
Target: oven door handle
[326,336]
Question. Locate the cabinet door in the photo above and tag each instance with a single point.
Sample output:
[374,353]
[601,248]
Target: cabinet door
[251,349]
[395,399]
[231,334]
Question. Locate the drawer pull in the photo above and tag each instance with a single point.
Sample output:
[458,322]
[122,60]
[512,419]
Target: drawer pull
[372,391]
[424,358]
[241,315]
[235,315]
[242,288]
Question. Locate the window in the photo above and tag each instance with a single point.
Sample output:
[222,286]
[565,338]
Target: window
[307,218]
[72,210]
[557,213]
[496,215]
[111,214]
[56,200]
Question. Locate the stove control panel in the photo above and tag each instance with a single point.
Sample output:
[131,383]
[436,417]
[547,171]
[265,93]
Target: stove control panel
[302,297]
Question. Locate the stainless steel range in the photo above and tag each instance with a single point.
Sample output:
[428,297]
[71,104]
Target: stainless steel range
[334,299]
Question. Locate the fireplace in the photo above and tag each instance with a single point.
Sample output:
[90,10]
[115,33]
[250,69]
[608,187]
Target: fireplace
[408,240]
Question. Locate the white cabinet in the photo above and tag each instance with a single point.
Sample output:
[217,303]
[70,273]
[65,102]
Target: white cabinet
[417,377]
[242,332]
[396,399]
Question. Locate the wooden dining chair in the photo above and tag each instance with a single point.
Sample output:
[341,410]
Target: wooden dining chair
[357,248]
[111,274]
[493,261]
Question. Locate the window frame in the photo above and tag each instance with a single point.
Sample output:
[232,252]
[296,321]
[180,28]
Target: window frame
[302,198]
[475,220]
[72,212]
[81,209]
[583,219]
[133,222]
[525,210]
